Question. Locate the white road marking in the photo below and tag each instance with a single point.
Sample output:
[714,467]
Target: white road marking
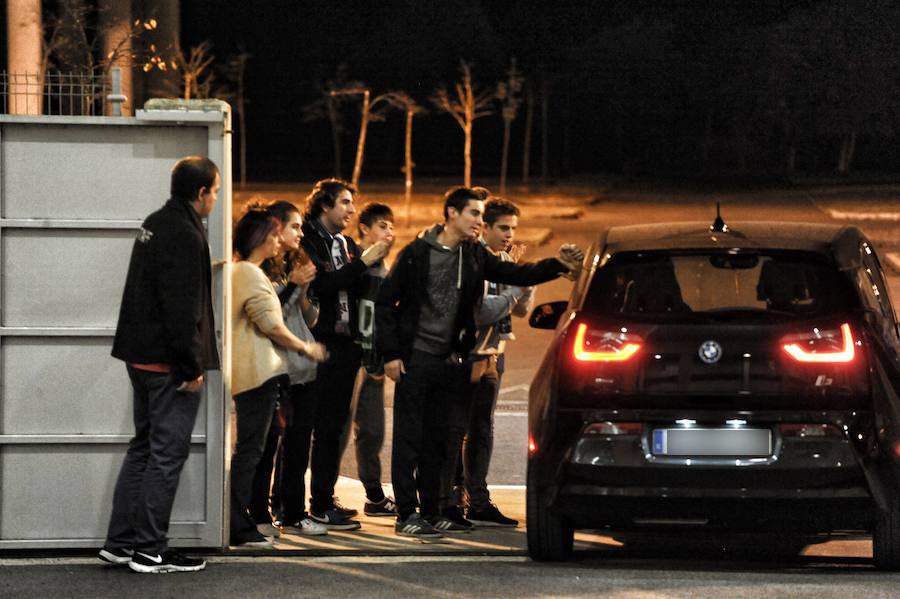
[878,216]
[515,388]
[227,559]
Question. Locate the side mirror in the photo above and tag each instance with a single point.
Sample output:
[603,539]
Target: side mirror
[546,316]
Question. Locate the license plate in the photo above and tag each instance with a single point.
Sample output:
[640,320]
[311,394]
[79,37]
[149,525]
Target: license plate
[745,442]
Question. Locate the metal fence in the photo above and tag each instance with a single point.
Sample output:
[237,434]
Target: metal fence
[54,93]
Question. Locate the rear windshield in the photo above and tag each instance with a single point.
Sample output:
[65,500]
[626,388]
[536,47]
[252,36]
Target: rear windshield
[679,285]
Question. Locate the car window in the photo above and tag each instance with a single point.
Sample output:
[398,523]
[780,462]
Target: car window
[673,285]
[874,288]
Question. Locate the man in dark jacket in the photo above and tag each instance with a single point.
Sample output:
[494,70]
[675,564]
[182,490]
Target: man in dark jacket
[166,337]
[425,327]
[340,266]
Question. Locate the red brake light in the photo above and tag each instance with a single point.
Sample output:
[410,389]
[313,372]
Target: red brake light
[532,447]
[821,346]
[599,346]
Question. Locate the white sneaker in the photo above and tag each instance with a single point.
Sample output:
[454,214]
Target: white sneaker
[269,530]
[306,527]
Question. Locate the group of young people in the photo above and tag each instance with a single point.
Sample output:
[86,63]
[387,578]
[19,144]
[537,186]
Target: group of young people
[318,322]
[436,323]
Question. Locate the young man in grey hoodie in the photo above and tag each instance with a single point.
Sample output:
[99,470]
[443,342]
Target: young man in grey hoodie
[476,426]
[425,328]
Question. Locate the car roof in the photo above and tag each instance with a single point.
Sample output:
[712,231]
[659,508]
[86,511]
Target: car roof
[813,237]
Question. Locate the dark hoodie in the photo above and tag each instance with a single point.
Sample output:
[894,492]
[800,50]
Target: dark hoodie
[415,306]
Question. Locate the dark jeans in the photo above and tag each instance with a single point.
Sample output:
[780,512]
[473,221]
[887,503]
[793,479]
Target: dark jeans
[254,409]
[423,402]
[295,455]
[333,391]
[263,487]
[479,443]
[145,489]
[368,434]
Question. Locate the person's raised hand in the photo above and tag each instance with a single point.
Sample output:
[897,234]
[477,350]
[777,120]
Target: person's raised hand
[303,274]
[375,252]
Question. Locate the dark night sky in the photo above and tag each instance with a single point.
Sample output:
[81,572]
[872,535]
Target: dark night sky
[635,86]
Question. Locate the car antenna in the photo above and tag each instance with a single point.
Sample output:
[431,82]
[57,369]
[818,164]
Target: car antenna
[719,225]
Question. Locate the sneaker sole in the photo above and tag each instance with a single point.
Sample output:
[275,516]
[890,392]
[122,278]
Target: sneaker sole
[379,514]
[492,524]
[305,533]
[344,527]
[434,536]
[164,568]
[112,558]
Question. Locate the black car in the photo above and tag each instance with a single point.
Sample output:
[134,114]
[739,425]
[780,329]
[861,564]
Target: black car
[736,378]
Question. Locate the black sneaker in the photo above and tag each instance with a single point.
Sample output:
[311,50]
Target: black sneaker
[118,557]
[445,524]
[490,516]
[385,507]
[455,515]
[346,512]
[417,527]
[170,561]
[334,520]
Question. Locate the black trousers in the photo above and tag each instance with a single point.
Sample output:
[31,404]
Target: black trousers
[254,409]
[264,488]
[367,410]
[295,455]
[333,391]
[475,457]
[423,400]
[145,490]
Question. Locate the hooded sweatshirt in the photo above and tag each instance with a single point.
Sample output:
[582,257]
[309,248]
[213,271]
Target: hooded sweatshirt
[438,313]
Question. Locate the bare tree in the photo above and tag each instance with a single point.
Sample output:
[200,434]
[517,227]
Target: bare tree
[196,76]
[24,61]
[327,106]
[465,107]
[509,93]
[402,101]
[235,70]
[529,127]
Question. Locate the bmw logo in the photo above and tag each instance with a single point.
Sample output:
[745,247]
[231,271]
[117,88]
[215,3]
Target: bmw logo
[710,352]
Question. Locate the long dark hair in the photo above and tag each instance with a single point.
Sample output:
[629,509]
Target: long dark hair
[251,231]
[279,268]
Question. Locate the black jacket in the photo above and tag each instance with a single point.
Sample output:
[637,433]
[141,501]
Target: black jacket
[405,290]
[166,315]
[329,282]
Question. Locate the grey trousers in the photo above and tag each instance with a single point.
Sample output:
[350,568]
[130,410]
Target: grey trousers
[368,432]
[145,489]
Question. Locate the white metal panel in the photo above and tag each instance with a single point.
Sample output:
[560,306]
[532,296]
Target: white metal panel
[63,491]
[118,173]
[66,386]
[63,277]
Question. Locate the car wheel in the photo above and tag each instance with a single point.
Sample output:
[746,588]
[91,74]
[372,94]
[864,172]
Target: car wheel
[886,537]
[550,535]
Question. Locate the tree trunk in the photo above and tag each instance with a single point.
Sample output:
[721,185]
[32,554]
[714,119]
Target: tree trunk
[504,160]
[361,143]
[545,130]
[24,38]
[335,135]
[706,146]
[848,148]
[242,124]
[467,155]
[408,165]
[115,24]
[529,125]
[791,160]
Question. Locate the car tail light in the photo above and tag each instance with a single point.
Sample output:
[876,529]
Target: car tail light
[614,428]
[604,346]
[809,430]
[821,345]
[532,446]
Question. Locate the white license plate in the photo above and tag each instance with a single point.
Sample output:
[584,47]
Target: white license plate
[745,442]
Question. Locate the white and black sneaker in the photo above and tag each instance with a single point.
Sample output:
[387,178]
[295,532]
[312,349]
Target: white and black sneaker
[445,524]
[170,561]
[117,557]
[334,520]
[417,527]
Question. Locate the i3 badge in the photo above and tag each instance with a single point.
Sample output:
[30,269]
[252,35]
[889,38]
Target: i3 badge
[710,352]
